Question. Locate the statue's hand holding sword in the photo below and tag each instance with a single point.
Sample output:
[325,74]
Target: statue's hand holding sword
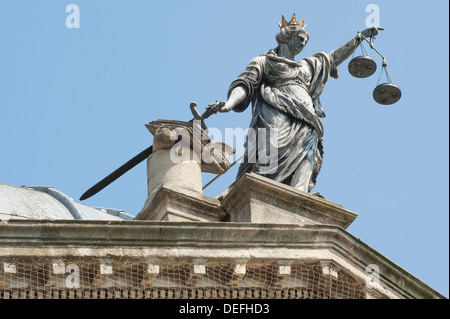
[210,110]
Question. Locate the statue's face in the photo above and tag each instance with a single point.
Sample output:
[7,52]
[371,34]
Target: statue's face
[297,43]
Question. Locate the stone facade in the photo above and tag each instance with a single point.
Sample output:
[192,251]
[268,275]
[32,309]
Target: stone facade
[259,239]
[305,255]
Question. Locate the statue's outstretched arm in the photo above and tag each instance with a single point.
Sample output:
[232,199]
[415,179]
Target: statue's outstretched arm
[344,51]
[236,96]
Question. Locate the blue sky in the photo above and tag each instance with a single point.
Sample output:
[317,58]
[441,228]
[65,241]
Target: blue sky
[73,104]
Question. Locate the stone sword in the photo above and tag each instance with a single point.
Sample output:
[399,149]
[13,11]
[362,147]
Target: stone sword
[211,109]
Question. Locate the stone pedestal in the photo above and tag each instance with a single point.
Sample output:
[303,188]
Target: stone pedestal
[163,172]
[257,199]
[175,206]
[175,186]
[181,152]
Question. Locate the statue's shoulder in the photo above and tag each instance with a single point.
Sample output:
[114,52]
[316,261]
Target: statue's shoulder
[260,59]
[274,58]
[268,55]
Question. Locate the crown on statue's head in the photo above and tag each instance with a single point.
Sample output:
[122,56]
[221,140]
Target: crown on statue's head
[293,21]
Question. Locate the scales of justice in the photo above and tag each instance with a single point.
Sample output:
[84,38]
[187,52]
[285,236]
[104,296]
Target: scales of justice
[284,94]
[364,66]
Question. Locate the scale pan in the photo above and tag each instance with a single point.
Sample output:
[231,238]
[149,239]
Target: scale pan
[387,93]
[362,66]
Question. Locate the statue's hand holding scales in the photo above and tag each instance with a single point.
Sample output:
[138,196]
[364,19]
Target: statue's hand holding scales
[238,94]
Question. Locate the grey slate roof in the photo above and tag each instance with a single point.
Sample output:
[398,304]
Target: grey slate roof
[46,202]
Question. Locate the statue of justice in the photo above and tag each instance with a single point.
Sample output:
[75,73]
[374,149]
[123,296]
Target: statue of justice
[286,108]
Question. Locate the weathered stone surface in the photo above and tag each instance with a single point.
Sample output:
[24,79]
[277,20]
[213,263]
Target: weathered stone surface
[178,164]
[215,242]
[253,198]
[213,155]
[258,199]
[186,205]
[163,172]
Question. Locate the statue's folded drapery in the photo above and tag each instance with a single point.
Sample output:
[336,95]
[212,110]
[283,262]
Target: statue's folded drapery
[285,102]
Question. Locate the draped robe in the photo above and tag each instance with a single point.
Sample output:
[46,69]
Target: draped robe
[285,117]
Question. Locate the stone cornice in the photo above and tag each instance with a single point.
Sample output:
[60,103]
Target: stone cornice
[265,241]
